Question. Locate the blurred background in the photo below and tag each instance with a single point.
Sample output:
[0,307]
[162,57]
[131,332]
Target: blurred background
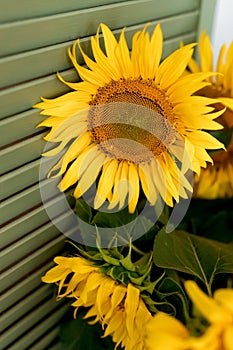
[222,30]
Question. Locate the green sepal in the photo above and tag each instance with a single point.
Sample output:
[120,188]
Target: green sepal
[156,306]
[143,263]
[118,273]
[126,262]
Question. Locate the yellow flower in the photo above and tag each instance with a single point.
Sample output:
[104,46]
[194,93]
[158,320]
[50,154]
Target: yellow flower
[217,181]
[128,122]
[165,332]
[119,308]
[217,310]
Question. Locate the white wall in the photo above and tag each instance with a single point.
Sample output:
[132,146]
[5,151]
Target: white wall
[222,31]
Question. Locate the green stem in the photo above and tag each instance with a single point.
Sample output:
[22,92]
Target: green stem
[140,252]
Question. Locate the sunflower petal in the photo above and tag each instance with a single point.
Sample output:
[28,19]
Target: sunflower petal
[173,66]
[106,182]
[133,187]
[206,305]
[131,306]
[91,172]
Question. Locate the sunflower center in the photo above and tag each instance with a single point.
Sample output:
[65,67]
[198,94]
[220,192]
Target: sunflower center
[131,119]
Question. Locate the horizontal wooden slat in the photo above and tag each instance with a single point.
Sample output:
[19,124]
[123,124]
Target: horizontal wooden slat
[24,306]
[24,325]
[19,126]
[48,60]
[30,221]
[26,286]
[33,33]
[22,97]
[48,341]
[13,10]
[174,43]
[25,200]
[33,261]
[55,346]
[40,330]
[27,244]
[21,153]
[19,179]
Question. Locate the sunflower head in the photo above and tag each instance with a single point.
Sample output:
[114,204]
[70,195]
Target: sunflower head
[119,308]
[132,123]
[217,181]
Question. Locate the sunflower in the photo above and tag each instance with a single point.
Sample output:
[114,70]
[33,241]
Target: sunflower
[169,333]
[131,122]
[217,181]
[119,308]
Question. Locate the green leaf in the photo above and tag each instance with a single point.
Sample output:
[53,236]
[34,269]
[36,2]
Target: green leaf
[82,210]
[113,219]
[223,135]
[171,290]
[194,255]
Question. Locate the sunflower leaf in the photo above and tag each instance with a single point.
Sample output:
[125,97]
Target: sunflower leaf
[171,290]
[194,255]
[82,210]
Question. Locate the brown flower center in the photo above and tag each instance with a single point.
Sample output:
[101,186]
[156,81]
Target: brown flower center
[131,119]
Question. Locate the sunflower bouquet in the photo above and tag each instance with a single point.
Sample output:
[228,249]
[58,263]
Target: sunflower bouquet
[143,147]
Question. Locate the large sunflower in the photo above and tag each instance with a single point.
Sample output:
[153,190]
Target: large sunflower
[131,122]
[119,308]
[216,181]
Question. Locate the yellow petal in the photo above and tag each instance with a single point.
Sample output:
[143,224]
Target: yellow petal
[106,182]
[136,46]
[206,53]
[156,46]
[228,338]
[193,66]
[225,298]
[115,197]
[131,305]
[80,86]
[103,295]
[133,187]
[85,74]
[146,178]
[106,63]
[90,174]
[227,102]
[123,187]
[109,41]
[166,332]
[206,305]
[173,66]
[220,64]
[115,323]
[74,150]
[96,68]
[187,85]
[78,167]
[118,294]
[123,57]
[203,139]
